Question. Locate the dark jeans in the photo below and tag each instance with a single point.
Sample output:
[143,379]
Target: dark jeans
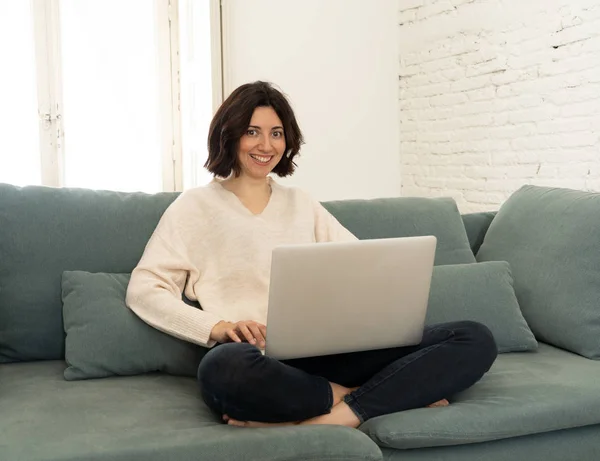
[237,380]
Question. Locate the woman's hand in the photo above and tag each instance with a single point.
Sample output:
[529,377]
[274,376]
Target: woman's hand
[246,330]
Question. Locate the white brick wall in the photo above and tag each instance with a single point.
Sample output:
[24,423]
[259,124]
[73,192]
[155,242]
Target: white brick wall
[495,94]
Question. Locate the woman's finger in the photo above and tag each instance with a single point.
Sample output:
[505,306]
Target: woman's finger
[263,330]
[234,337]
[247,333]
[257,334]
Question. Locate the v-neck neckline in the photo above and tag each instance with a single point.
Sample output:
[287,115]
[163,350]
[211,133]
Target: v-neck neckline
[234,198]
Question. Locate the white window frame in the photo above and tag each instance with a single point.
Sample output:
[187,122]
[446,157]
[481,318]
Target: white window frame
[217,51]
[167,18]
[48,79]
[46,19]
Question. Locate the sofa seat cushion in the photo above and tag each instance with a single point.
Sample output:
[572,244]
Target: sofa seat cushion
[152,417]
[524,393]
[577,444]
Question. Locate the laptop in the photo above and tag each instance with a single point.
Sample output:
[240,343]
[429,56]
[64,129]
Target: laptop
[332,298]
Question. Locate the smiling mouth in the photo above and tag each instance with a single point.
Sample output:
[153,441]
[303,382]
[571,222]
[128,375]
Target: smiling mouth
[261,159]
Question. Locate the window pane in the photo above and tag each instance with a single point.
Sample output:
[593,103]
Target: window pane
[110,95]
[19,136]
[196,88]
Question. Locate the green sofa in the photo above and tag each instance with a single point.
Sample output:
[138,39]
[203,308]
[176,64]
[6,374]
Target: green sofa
[61,397]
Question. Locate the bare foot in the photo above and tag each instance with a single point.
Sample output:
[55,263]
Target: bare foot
[238,423]
[339,392]
[340,415]
[439,403]
[235,422]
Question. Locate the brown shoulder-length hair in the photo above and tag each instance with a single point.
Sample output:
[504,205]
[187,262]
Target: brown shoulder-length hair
[231,122]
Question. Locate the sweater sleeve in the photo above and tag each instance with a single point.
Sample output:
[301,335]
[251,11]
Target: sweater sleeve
[329,229]
[155,289]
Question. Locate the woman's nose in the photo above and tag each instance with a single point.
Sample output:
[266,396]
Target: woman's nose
[265,144]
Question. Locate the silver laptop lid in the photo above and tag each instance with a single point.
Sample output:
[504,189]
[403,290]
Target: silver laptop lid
[330,298]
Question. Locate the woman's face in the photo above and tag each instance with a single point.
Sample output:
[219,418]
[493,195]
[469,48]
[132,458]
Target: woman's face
[263,145]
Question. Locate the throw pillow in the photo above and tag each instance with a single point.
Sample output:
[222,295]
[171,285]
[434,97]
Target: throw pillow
[550,238]
[408,217]
[104,337]
[483,293]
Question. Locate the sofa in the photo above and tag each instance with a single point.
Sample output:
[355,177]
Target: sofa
[82,378]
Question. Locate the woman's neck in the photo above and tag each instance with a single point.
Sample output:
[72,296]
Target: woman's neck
[245,186]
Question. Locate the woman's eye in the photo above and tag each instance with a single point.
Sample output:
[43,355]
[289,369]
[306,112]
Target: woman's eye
[277,134]
[251,132]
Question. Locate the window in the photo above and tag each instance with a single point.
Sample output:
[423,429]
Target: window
[108,94]
[19,130]
[200,44]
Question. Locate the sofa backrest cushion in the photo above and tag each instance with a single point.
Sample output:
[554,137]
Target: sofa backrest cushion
[408,217]
[476,225]
[45,231]
[550,238]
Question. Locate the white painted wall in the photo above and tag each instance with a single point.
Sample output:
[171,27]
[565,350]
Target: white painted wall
[337,60]
[497,94]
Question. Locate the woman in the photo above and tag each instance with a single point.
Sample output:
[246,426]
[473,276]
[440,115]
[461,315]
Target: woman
[214,243]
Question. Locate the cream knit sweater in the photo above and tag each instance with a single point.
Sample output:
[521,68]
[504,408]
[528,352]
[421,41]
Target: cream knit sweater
[210,246]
